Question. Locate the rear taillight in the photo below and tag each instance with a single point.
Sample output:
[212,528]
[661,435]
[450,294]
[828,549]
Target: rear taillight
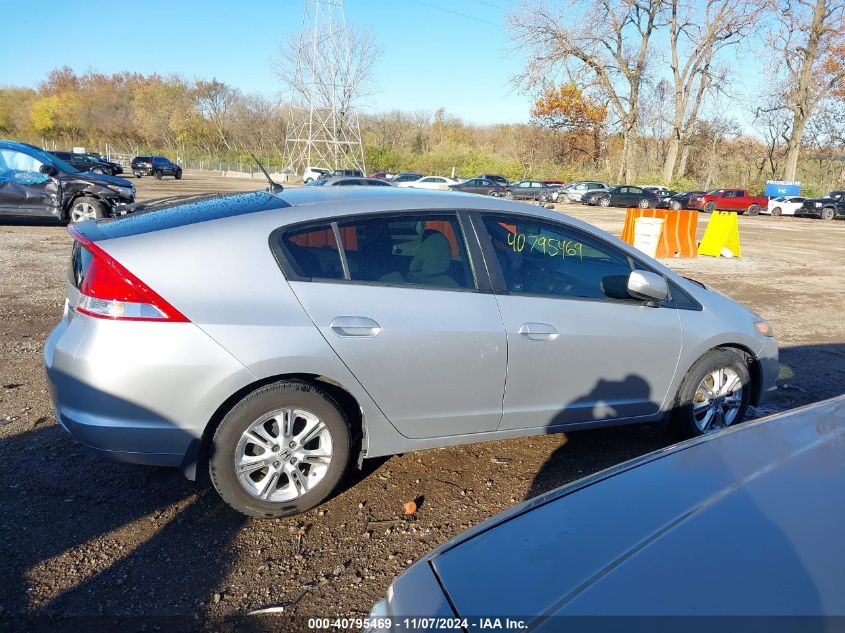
[108,291]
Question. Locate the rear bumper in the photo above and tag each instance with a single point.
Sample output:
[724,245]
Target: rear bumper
[137,392]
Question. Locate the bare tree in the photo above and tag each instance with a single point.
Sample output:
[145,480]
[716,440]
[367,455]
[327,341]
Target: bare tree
[351,68]
[609,46]
[811,39]
[214,100]
[698,31]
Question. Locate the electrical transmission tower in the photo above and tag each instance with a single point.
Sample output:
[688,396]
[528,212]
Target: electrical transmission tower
[322,125]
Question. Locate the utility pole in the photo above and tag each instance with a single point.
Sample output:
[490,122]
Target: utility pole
[322,124]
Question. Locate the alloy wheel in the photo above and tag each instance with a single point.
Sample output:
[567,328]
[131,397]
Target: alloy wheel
[717,400]
[83,211]
[283,455]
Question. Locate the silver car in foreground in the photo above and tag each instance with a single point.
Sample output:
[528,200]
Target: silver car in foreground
[279,337]
[746,522]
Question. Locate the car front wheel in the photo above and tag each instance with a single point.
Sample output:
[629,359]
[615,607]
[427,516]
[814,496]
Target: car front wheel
[86,208]
[675,205]
[714,394]
[605,202]
[827,213]
[281,450]
[776,211]
[710,207]
[158,174]
[179,175]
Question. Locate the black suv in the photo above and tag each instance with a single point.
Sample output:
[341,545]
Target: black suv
[827,208]
[89,162]
[347,173]
[36,183]
[157,166]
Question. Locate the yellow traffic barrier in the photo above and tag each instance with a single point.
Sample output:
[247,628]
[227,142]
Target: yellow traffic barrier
[722,232]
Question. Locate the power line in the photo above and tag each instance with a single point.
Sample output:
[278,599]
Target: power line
[453,12]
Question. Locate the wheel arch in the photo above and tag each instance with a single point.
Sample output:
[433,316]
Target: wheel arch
[199,451]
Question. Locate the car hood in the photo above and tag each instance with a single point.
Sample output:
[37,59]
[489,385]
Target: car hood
[101,179]
[747,521]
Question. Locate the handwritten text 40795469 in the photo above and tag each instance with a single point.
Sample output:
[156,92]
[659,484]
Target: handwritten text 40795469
[547,245]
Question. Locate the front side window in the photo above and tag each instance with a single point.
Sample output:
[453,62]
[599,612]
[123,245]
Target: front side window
[419,249]
[21,169]
[545,258]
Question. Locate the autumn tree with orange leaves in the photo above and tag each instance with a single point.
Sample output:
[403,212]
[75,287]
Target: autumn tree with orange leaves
[567,109]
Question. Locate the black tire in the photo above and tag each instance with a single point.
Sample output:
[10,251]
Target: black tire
[307,180]
[683,417]
[675,205]
[285,393]
[644,204]
[710,207]
[86,208]
[604,201]
[509,194]
[137,175]
[97,170]
[827,213]
[776,211]
[753,210]
[179,175]
[158,174]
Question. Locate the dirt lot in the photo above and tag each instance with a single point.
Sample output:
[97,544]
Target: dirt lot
[84,537]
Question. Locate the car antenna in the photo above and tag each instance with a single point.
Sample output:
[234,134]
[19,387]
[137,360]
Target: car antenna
[274,187]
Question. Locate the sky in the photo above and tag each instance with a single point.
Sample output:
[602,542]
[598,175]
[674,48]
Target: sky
[437,53]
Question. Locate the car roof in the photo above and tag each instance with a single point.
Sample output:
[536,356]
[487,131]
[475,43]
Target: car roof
[716,525]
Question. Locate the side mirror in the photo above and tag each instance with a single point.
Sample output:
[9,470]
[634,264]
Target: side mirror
[50,170]
[647,286]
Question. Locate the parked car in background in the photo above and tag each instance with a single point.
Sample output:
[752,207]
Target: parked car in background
[553,183]
[628,196]
[352,173]
[784,205]
[663,194]
[157,166]
[293,373]
[406,176]
[576,190]
[382,175]
[592,197]
[315,173]
[679,201]
[348,182]
[827,208]
[737,200]
[495,178]
[35,183]
[481,186]
[88,162]
[602,546]
[526,190]
[440,183]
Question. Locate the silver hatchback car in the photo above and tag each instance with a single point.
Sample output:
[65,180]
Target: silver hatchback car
[279,337]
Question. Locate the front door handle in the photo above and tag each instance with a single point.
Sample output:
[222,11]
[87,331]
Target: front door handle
[355,326]
[538,331]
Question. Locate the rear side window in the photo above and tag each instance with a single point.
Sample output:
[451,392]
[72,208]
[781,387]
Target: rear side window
[80,260]
[544,258]
[313,252]
[426,249]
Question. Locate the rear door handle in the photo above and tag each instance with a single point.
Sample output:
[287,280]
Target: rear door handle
[355,326]
[538,331]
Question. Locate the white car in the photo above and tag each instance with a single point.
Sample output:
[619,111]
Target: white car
[430,182]
[315,173]
[784,205]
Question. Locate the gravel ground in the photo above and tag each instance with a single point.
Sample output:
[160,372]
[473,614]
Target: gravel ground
[80,536]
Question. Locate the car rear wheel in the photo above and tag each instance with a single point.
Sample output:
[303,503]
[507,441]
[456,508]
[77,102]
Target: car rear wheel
[754,209]
[714,394]
[675,205]
[827,213]
[644,204]
[281,450]
[604,202]
[776,211]
[86,208]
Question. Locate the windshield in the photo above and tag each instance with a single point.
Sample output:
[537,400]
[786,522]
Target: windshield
[49,159]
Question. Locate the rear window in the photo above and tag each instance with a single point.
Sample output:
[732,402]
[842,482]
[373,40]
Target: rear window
[313,252]
[80,260]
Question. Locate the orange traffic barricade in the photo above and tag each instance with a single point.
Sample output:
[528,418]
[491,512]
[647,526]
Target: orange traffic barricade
[679,228]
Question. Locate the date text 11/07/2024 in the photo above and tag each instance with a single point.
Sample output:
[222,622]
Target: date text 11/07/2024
[418,624]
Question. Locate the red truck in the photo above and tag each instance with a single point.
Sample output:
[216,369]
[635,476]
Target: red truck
[729,200]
